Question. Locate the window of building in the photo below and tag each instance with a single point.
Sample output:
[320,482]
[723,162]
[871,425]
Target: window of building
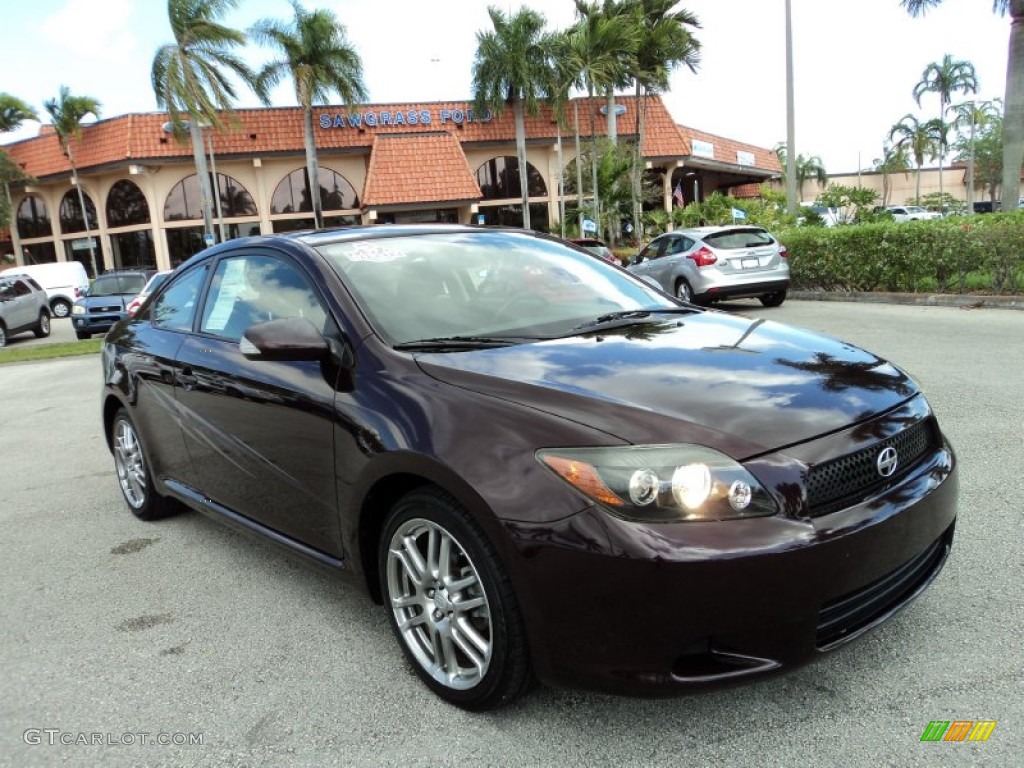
[185,200]
[133,249]
[183,242]
[33,220]
[126,205]
[512,216]
[292,193]
[71,212]
[499,179]
[293,225]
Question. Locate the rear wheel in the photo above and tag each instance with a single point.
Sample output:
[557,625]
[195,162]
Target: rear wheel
[42,329]
[133,472]
[60,308]
[773,299]
[3,335]
[450,604]
[684,292]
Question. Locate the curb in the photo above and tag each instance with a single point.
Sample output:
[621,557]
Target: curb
[961,300]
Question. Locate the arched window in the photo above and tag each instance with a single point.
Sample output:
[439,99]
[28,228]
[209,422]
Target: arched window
[126,205]
[292,196]
[33,220]
[185,200]
[499,179]
[71,212]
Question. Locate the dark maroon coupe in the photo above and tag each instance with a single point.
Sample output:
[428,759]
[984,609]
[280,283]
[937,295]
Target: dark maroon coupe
[540,464]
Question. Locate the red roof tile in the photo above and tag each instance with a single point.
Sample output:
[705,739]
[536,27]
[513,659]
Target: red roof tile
[418,168]
[726,149]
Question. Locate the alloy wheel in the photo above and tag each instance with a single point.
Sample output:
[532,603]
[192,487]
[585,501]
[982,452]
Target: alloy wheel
[439,604]
[131,468]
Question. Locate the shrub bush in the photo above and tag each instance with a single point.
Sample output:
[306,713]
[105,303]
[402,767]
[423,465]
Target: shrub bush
[955,255]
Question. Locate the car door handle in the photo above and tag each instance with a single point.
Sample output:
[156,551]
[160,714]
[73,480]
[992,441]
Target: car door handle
[186,378]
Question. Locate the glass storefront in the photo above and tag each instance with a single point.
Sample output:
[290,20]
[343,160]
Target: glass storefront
[133,250]
[39,253]
[293,225]
[184,242]
[78,250]
[512,216]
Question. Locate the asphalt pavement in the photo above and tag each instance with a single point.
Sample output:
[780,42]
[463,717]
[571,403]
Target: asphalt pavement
[116,632]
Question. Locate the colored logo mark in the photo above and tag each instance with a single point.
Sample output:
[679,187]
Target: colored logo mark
[958,730]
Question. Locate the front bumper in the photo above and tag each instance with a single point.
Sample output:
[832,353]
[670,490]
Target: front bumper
[661,609]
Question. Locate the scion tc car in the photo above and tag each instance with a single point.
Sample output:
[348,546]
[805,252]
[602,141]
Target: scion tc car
[539,464]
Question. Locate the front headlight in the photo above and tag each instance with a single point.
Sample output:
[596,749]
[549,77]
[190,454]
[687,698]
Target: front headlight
[661,483]
[78,309]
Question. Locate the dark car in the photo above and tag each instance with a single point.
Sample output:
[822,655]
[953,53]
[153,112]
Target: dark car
[107,300]
[540,465]
[23,307]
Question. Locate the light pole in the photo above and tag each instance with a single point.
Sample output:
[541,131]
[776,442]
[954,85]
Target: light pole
[791,200]
[199,153]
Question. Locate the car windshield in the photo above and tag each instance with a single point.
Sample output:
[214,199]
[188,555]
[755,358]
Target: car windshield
[483,284]
[117,285]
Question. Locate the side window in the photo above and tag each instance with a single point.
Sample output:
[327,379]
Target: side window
[21,288]
[675,246]
[254,289]
[657,249]
[176,307]
[687,243]
[6,290]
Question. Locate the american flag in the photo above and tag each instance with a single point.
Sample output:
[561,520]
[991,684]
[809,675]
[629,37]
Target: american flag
[678,194]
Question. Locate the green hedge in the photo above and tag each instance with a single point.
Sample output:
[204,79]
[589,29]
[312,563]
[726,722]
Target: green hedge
[983,254]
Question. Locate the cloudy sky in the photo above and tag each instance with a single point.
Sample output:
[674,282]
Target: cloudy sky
[856,62]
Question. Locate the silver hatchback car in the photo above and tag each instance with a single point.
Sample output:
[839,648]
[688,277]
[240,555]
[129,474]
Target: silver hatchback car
[709,264]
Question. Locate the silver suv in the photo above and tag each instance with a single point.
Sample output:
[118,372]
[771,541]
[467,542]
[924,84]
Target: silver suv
[709,264]
[23,307]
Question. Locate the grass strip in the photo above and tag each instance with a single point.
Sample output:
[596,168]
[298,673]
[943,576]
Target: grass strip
[16,354]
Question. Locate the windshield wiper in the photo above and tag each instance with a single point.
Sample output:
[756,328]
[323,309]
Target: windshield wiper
[630,314]
[443,343]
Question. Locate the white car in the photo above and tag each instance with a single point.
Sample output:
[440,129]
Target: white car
[911,213]
[830,216]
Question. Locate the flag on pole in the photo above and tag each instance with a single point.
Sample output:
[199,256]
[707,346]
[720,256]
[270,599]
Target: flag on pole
[678,194]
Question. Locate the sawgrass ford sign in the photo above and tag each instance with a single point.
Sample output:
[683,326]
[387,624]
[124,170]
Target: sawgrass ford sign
[403,117]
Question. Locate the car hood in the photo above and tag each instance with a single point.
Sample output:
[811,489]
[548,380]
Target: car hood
[742,385]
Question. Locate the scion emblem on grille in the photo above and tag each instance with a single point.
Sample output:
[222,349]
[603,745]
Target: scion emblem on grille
[887,461]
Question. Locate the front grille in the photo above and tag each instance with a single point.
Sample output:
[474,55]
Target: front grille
[850,479]
[845,617]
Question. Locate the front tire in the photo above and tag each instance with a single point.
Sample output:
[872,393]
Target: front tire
[42,329]
[60,308]
[133,474]
[450,604]
[3,335]
[773,299]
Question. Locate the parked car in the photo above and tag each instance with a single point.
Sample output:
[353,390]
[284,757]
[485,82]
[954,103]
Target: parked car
[65,282]
[828,216]
[538,463]
[107,300]
[23,307]
[713,263]
[154,282]
[596,247]
[912,213]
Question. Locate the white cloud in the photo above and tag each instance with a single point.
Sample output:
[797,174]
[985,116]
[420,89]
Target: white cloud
[95,30]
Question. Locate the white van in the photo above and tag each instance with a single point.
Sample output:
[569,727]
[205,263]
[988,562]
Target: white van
[64,282]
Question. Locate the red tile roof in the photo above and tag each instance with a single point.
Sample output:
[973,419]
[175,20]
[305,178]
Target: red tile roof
[418,168]
[726,149]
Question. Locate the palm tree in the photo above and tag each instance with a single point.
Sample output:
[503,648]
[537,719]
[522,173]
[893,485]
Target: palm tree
[1013,124]
[13,112]
[921,140]
[973,115]
[512,67]
[189,77]
[320,61]
[67,112]
[807,168]
[595,45]
[945,79]
[894,159]
[665,43]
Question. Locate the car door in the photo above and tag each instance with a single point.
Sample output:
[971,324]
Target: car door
[644,262]
[666,266]
[25,310]
[260,431]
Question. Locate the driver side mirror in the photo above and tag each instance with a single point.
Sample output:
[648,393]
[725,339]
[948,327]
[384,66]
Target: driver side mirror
[291,338]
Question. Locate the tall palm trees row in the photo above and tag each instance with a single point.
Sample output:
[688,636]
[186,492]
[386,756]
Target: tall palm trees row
[1013,122]
[518,64]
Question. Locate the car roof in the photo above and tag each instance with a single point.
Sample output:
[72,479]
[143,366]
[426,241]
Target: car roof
[704,231]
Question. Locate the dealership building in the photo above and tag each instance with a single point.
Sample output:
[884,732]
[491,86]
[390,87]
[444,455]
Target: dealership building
[431,162]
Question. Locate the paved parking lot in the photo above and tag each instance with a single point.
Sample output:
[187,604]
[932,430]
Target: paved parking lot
[119,628]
